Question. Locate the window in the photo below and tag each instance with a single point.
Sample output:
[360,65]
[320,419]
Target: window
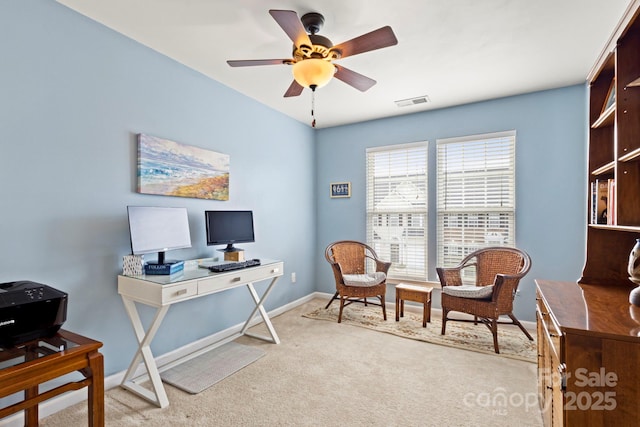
[476,194]
[397,208]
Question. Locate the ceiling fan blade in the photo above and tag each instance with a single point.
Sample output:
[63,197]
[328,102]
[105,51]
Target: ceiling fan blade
[252,62]
[376,39]
[294,90]
[290,23]
[357,80]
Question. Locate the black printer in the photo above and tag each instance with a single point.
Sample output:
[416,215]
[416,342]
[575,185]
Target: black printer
[30,310]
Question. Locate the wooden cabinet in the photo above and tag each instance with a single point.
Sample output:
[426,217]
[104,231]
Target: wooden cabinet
[614,153]
[588,355]
[588,333]
[549,384]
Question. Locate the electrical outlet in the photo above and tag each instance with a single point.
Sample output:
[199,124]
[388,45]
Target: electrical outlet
[293,277]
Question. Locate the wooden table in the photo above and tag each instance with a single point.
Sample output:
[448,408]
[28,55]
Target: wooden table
[35,362]
[421,294]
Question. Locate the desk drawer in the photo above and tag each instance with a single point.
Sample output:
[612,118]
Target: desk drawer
[178,292]
[238,277]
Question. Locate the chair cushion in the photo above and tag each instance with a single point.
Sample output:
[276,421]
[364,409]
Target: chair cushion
[469,291]
[364,280]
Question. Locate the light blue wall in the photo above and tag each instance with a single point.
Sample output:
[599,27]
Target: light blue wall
[73,96]
[550,178]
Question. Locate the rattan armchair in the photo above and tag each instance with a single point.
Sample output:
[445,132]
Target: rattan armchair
[348,260]
[498,267]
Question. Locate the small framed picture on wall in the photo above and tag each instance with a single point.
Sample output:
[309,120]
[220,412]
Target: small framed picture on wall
[340,189]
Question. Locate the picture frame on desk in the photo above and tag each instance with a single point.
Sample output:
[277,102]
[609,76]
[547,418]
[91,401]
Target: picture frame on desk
[340,190]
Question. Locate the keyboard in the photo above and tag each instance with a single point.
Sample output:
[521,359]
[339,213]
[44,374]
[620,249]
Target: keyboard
[220,268]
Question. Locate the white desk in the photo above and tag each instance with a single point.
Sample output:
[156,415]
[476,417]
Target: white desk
[162,291]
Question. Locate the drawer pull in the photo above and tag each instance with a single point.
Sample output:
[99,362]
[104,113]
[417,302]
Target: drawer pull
[275,270]
[181,292]
[236,279]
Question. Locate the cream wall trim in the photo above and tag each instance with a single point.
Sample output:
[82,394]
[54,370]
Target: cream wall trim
[611,43]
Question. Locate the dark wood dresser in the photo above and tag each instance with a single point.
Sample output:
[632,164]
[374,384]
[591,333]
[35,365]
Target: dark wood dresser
[588,355]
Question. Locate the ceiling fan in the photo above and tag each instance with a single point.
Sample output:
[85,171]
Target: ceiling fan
[313,54]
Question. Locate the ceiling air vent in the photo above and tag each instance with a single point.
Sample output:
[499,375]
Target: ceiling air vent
[412,101]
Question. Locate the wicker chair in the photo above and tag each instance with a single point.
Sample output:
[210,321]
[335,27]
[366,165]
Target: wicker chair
[499,267]
[348,262]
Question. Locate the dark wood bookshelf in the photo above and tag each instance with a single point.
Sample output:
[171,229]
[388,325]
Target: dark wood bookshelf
[606,118]
[614,152]
[591,324]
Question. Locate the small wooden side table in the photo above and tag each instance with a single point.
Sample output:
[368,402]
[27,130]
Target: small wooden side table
[30,364]
[421,294]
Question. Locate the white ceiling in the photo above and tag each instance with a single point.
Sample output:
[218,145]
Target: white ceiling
[453,51]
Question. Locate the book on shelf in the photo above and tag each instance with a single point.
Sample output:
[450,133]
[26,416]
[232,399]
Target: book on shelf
[593,203]
[602,202]
[611,203]
[164,269]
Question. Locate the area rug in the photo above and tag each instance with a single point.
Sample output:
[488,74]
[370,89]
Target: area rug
[200,373]
[513,343]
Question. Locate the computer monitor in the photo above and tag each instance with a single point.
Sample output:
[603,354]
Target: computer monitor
[229,227]
[158,229]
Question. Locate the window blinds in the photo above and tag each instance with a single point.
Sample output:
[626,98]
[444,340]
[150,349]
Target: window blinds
[397,208]
[475,194]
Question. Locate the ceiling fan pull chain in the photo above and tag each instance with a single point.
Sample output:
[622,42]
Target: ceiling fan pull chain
[313,106]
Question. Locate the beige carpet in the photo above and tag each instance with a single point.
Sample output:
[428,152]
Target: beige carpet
[330,374]
[512,342]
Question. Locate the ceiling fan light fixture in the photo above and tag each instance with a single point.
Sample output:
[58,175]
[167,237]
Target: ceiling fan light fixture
[313,72]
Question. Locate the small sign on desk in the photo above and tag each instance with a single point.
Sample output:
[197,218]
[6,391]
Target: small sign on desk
[234,256]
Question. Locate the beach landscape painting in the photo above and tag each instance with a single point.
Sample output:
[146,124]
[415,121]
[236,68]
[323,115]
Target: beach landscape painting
[170,168]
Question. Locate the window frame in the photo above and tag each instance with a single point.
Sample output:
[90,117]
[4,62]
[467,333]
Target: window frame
[492,205]
[410,247]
